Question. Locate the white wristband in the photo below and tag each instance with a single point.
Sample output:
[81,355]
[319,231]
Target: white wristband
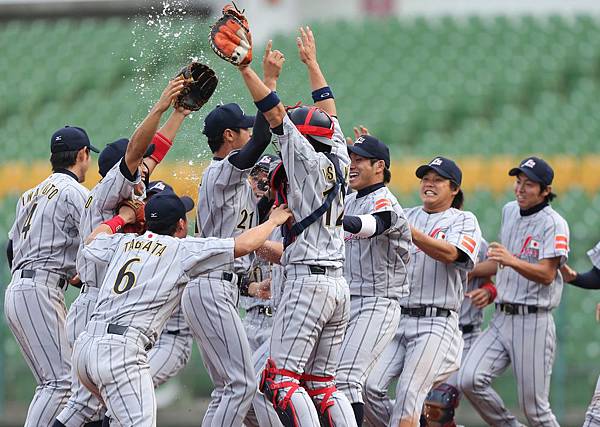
[368,226]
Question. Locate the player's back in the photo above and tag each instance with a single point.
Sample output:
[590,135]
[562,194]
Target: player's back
[45,233]
[145,275]
[311,176]
[226,205]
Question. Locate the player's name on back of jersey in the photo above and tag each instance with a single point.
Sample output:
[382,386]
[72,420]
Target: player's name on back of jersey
[49,190]
[150,246]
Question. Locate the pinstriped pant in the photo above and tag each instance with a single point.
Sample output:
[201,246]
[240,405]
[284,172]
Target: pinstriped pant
[82,407]
[372,325]
[469,340]
[36,315]
[424,351]
[210,312]
[169,355]
[592,416]
[525,341]
[308,331]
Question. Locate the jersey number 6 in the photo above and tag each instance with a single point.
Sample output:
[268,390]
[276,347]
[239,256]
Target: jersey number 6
[125,278]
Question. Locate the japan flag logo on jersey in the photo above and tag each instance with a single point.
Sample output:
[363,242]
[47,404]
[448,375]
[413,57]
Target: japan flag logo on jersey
[438,233]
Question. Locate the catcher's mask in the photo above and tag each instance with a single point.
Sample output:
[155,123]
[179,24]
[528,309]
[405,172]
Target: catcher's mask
[278,182]
[312,122]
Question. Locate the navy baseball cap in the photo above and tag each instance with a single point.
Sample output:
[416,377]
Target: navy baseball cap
[265,162]
[371,148]
[443,167]
[114,152]
[536,169]
[166,208]
[157,187]
[228,116]
[70,138]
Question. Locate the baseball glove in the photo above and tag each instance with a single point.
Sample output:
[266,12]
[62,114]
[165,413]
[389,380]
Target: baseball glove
[199,85]
[139,226]
[230,36]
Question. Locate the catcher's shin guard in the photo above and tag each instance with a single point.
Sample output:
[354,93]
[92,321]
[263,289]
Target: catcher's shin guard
[324,404]
[438,410]
[271,389]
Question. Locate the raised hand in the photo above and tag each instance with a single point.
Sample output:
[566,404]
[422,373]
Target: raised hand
[169,94]
[272,64]
[307,48]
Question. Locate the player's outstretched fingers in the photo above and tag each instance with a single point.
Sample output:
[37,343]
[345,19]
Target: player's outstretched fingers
[268,50]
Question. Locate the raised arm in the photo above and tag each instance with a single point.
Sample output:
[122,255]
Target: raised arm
[321,92]
[264,98]
[163,139]
[142,137]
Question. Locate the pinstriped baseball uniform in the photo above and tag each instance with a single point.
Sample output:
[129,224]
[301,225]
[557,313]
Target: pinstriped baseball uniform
[45,240]
[309,327]
[104,198]
[470,316]
[257,323]
[376,272]
[426,349]
[226,208]
[145,277]
[173,349]
[525,340]
[592,416]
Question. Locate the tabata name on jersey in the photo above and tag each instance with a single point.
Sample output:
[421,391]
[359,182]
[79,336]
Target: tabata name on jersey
[49,190]
[150,246]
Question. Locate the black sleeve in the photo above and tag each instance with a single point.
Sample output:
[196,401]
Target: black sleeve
[588,280]
[126,172]
[249,154]
[353,224]
[9,253]
[278,130]
[462,256]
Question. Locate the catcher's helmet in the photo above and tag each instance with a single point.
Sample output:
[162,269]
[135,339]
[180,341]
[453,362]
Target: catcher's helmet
[313,122]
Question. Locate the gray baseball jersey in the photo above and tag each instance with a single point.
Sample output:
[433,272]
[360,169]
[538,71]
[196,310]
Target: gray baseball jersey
[433,283]
[159,265]
[45,240]
[469,314]
[594,255]
[310,177]
[100,206]
[45,233]
[544,234]
[377,266]
[226,205]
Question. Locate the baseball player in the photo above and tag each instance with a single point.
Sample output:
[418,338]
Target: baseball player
[226,208]
[145,277]
[534,243]
[427,346]
[308,328]
[42,248]
[588,280]
[480,291]
[125,167]
[377,252]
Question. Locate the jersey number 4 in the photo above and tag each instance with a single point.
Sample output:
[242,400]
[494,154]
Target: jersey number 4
[125,277]
[27,225]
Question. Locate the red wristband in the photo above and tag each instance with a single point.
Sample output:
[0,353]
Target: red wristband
[491,288]
[115,223]
[162,144]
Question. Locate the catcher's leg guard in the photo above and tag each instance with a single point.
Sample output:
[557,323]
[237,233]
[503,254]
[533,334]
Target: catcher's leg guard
[324,404]
[271,389]
[439,406]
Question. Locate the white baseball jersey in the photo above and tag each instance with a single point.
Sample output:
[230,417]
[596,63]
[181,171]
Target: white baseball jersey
[311,176]
[544,234]
[377,266]
[146,275]
[45,233]
[101,206]
[469,314]
[433,283]
[594,255]
[226,205]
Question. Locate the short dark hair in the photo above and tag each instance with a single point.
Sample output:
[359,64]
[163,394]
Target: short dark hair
[63,160]
[459,199]
[387,174]
[215,143]
[551,196]
[167,230]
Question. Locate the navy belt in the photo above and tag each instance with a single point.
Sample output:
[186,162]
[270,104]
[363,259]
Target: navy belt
[426,311]
[30,274]
[229,276]
[512,309]
[121,330]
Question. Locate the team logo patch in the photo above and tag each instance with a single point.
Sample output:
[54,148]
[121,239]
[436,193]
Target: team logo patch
[530,248]
[468,243]
[529,163]
[561,242]
[359,140]
[382,203]
[438,233]
[436,162]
